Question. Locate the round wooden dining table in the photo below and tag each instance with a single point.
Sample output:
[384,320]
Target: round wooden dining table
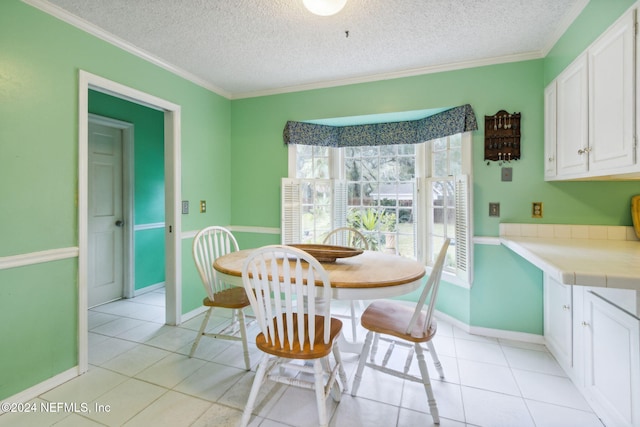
[369,275]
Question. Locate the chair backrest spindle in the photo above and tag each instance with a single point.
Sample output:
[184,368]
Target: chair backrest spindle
[209,244]
[430,288]
[283,284]
[347,236]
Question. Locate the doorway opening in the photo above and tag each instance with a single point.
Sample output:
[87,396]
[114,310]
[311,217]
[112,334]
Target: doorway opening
[172,172]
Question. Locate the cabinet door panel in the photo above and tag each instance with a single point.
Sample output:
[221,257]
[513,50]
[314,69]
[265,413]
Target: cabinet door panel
[572,118]
[612,365]
[611,98]
[550,126]
[557,321]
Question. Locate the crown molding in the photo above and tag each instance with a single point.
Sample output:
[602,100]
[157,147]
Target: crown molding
[98,32]
[396,74]
[564,25]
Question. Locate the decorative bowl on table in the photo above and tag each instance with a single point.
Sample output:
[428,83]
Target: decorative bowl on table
[327,253]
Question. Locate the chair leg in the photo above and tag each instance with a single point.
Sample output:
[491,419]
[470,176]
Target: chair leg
[255,388]
[433,407]
[334,387]
[243,335]
[354,322]
[436,360]
[320,396]
[341,373]
[374,348]
[361,362]
[201,331]
[234,320]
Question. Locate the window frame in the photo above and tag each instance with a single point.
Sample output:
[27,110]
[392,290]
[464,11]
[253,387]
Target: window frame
[423,175]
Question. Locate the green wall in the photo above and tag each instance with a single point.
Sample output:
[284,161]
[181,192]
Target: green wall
[148,181]
[594,19]
[507,291]
[38,323]
[515,87]
[39,65]
[233,157]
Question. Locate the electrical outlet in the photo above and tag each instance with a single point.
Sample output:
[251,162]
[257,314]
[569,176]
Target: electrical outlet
[536,210]
[494,209]
[203,206]
[185,207]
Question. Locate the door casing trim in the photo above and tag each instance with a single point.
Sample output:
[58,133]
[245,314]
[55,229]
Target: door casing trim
[172,167]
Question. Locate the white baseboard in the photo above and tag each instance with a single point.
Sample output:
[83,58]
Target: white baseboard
[493,333]
[193,313]
[507,335]
[148,289]
[43,387]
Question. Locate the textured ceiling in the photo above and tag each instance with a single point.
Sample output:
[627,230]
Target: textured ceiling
[242,48]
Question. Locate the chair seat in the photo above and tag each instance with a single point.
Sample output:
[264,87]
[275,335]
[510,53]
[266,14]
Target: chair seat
[392,318]
[234,297]
[320,349]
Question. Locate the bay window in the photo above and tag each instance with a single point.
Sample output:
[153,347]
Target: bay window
[406,198]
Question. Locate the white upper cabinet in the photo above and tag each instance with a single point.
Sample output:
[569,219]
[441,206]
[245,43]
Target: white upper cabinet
[550,130]
[595,111]
[572,119]
[611,98]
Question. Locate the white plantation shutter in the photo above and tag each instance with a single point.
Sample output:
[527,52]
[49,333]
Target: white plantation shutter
[291,201]
[464,233]
[418,224]
[339,217]
[421,206]
[291,204]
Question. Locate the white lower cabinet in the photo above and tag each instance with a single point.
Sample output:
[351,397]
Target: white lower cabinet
[558,308]
[596,341]
[612,360]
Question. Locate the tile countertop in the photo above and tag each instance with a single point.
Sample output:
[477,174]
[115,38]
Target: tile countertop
[598,256]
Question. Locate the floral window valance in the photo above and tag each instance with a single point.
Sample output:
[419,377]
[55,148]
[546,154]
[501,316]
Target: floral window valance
[450,122]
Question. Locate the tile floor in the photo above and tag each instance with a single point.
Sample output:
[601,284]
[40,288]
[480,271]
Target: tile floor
[140,368]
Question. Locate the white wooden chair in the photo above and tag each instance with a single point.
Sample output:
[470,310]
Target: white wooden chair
[209,244]
[295,324]
[410,327]
[347,236]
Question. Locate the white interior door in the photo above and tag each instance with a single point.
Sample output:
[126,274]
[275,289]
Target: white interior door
[105,219]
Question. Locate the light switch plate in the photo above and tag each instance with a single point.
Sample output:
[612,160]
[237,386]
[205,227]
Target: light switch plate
[185,206]
[203,206]
[507,174]
[494,209]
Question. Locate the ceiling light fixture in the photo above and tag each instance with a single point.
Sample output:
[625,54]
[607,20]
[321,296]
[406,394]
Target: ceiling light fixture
[324,7]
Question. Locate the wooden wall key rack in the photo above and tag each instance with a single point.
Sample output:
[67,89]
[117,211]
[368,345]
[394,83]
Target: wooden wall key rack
[502,136]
